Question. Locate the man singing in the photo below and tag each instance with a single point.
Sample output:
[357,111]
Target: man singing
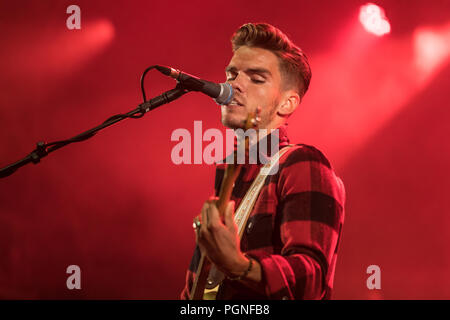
[289,247]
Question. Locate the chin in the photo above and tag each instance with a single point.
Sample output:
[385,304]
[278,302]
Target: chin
[233,121]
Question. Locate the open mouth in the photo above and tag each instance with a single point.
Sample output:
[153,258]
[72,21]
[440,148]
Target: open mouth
[234,102]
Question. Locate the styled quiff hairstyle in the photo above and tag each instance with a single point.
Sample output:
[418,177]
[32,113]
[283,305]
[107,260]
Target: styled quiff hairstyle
[293,63]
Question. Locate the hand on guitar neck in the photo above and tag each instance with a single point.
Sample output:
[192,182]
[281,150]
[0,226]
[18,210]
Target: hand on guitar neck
[218,239]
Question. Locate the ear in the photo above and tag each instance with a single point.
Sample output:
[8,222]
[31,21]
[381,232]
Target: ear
[289,102]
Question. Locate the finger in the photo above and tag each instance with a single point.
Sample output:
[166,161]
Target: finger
[204,218]
[197,223]
[258,115]
[213,215]
[196,236]
[229,216]
[199,217]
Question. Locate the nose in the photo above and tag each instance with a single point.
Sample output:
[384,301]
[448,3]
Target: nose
[237,84]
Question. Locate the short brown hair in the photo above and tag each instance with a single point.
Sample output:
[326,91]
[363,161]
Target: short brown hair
[294,66]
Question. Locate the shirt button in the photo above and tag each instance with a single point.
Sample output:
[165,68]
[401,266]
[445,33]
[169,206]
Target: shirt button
[249,228]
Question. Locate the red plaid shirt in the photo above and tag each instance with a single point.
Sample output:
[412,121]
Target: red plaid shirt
[293,230]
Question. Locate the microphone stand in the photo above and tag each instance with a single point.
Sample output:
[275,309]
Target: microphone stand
[43,149]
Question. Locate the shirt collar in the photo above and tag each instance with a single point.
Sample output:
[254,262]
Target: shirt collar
[265,147]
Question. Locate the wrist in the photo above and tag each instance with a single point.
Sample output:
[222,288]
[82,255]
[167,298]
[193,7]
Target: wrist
[242,267]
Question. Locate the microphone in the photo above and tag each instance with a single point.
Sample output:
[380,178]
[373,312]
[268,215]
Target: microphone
[222,93]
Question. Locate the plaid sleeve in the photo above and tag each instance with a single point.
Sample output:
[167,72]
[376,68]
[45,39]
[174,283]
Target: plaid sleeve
[309,217]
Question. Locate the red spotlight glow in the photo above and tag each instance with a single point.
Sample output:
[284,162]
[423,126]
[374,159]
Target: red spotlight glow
[431,47]
[374,20]
[47,56]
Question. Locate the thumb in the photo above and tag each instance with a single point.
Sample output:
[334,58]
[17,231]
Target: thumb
[229,215]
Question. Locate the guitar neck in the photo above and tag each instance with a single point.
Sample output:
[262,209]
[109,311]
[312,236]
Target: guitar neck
[231,173]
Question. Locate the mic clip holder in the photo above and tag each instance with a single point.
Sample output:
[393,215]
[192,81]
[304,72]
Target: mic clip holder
[163,98]
[39,152]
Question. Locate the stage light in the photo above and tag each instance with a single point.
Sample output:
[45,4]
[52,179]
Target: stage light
[40,60]
[374,20]
[431,47]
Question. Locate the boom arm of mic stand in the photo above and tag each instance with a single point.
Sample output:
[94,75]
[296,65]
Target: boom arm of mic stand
[43,149]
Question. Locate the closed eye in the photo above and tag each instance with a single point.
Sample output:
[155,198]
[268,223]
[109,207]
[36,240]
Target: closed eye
[258,81]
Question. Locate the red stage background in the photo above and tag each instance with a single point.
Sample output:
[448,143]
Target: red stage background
[118,207]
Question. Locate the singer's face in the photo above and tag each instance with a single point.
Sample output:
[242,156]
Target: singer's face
[255,77]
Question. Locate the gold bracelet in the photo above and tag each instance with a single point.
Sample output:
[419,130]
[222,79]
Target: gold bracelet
[242,276]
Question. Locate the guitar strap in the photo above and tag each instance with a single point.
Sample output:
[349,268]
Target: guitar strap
[241,217]
[245,208]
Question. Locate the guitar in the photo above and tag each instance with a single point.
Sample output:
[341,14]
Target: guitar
[207,278]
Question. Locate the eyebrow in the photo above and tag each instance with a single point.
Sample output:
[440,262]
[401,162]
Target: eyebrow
[262,71]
